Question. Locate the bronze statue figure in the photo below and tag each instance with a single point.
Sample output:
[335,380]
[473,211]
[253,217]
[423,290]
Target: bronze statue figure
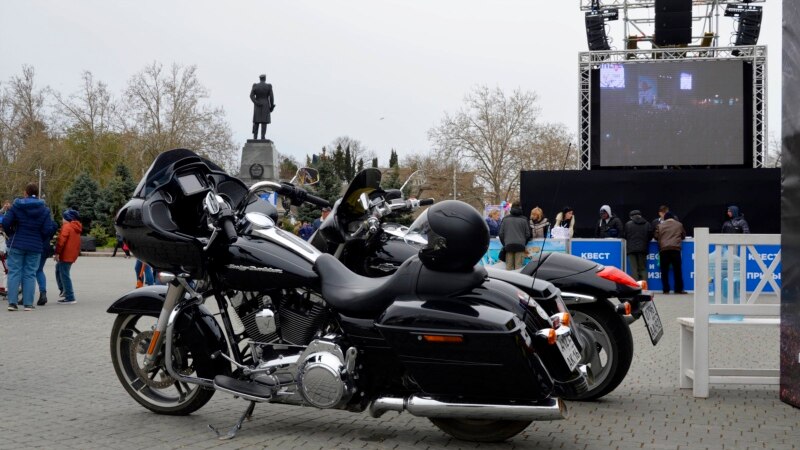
[263,105]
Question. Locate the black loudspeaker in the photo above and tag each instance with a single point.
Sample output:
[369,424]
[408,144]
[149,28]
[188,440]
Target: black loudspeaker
[673,22]
[749,28]
[596,32]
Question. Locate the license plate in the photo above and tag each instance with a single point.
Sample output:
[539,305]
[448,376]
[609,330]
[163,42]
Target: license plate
[568,350]
[653,321]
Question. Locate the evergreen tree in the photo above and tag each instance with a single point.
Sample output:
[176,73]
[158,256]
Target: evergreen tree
[348,165]
[393,159]
[339,163]
[375,162]
[84,196]
[330,186]
[113,197]
[360,165]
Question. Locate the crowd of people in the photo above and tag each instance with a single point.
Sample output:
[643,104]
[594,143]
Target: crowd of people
[27,230]
[515,231]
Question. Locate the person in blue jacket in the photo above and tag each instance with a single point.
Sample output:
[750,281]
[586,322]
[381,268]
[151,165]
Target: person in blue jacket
[493,222]
[28,224]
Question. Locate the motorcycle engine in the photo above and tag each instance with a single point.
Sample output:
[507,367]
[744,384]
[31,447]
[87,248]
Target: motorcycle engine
[323,375]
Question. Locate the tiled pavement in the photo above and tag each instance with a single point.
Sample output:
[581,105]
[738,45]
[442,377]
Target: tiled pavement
[58,390]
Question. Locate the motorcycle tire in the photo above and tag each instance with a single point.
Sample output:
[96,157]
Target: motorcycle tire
[175,399]
[614,341]
[481,430]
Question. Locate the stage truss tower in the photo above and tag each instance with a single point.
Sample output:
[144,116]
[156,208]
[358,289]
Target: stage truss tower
[756,55]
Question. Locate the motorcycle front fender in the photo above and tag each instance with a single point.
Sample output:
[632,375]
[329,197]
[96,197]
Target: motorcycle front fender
[196,326]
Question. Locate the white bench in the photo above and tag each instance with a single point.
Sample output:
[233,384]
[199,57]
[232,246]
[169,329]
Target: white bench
[694,370]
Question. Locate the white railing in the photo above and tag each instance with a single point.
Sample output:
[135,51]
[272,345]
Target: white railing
[730,298]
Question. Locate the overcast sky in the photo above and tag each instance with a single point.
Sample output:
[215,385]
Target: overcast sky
[380,71]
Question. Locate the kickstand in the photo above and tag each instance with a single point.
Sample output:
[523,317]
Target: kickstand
[248,414]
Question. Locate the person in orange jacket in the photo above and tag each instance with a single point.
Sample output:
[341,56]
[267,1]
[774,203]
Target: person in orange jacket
[68,248]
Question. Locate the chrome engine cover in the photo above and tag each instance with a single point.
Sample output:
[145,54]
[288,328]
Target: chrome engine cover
[321,375]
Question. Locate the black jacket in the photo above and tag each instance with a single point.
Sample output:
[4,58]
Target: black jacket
[514,231]
[638,232]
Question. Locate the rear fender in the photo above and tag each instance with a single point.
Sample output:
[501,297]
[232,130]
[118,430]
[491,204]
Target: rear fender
[196,328]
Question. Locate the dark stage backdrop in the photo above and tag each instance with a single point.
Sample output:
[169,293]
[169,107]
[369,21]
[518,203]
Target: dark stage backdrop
[790,239]
[698,197]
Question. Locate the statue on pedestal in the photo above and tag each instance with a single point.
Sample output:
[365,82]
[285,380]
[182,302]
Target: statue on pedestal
[263,105]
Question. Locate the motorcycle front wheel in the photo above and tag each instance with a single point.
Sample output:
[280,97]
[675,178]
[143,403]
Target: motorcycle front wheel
[154,389]
[473,430]
[612,339]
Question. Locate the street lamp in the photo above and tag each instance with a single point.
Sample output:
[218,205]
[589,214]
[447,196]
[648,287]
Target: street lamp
[39,171]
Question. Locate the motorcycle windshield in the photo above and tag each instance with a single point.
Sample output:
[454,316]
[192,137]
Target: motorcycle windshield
[418,231]
[365,182]
[163,168]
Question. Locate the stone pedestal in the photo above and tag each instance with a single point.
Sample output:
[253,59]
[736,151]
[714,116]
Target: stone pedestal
[259,162]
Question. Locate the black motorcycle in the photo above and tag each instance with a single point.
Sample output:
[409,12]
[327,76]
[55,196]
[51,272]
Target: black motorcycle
[295,326]
[369,244]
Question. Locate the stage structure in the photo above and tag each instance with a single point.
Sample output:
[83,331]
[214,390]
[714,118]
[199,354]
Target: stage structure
[679,82]
[639,21]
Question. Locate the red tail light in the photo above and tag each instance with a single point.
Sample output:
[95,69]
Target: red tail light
[617,276]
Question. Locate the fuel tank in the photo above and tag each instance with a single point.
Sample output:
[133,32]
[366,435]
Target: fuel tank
[254,263]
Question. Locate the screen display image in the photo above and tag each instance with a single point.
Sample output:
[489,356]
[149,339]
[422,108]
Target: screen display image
[684,113]
[190,184]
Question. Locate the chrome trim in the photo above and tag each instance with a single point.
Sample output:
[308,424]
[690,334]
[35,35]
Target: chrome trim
[548,409]
[261,185]
[285,239]
[573,298]
[239,394]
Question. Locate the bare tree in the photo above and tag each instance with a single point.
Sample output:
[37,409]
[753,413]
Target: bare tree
[772,158]
[167,110]
[436,179]
[554,149]
[21,113]
[492,131]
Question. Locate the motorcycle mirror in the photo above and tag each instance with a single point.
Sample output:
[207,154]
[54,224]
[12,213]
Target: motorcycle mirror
[306,176]
[364,200]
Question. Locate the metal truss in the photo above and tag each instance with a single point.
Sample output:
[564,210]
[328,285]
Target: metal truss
[586,5]
[638,17]
[757,55]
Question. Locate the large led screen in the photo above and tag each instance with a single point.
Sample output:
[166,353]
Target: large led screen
[671,113]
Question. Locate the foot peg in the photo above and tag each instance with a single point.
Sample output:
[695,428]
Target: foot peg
[247,390]
[248,414]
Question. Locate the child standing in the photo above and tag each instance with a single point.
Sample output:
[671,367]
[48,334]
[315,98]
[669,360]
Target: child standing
[67,250]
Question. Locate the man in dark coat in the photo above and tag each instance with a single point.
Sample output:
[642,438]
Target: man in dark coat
[735,223]
[263,105]
[638,232]
[609,225]
[514,235]
[670,235]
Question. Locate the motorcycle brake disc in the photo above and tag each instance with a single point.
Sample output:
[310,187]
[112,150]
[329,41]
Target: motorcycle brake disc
[163,380]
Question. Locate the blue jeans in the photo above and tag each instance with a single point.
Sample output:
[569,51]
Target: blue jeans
[22,265]
[41,280]
[148,273]
[62,270]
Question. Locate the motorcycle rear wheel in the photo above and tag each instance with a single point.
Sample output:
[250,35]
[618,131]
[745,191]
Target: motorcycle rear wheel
[160,393]
[481,430]
[614,343]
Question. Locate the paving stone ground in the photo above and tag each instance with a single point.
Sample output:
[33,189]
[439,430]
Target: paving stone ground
[58,390]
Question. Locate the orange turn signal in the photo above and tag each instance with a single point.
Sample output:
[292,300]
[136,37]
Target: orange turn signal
[627,308]
[443,339]
[566,319]
[153,341]
[643,284]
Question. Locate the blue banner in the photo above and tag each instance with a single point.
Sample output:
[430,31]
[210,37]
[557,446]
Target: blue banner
[608,252]
[532,249]
[654,267]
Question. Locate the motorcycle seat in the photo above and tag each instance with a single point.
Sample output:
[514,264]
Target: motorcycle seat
[351,293]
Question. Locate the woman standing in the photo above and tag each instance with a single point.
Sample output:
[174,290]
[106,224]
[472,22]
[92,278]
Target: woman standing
[566,221]
[538,223]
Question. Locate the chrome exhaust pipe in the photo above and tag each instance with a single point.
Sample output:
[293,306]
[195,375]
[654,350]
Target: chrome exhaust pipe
[549,409]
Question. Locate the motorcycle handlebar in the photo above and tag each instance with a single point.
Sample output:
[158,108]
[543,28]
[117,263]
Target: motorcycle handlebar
[229,229]
[426,202]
